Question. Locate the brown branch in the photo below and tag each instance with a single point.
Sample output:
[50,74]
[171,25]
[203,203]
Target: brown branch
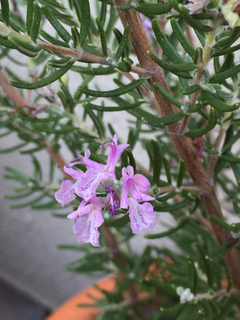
[77,54]
[182,144]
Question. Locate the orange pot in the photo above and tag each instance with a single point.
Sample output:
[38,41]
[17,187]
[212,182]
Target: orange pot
[69,309]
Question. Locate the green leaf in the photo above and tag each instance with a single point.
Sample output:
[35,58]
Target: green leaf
[218,104]
[192,276]
[75,37]
[228,63]
[33,150]
[17,175]
[46,205]
[167,96]
[117,222]
[185,313]
[177,69]
[60,63]
[222,250]
[43,82]
[174,309]
[236,170]
[237,210]
[11,149]
[98,124]
[25,47]
[53,40]
[181,174]
[212,120]
[200,37]
[191,21]
[113,93]
[30,203]
[166,46]
[101,70]
[155,121]
[157,161]
[124,66]
[162,287]
[154,8]
[182,38]
[29,16]
[219,77]
[230,39]
[167,170]
[169,232]
[221,223]
[171,207]
[122,44]
[62,32]
[191,89]
[35,26]
[102,37]
[230,139]
[5,11]
[131,159]
[230,158]
[14,23]
[7,44]
[198,56]
[166,197]
[113,109]
[225,51]
[165,121]
[19,196]
[85,19]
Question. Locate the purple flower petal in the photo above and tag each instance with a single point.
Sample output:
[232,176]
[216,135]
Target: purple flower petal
[134,188]
[86,230]
[87,186]
[65,194]
[141,216]
[115,152]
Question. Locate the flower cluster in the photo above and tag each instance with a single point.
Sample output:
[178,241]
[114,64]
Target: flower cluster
[128,193]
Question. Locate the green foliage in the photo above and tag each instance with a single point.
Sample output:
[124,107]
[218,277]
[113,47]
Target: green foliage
[90,47]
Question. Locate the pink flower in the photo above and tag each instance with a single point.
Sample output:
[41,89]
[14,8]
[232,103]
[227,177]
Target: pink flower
[65,194]
[134,191]
[87,182]
[86,228]
[88,217]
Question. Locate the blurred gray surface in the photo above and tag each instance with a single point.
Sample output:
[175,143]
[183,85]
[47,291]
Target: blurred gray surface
[16,305]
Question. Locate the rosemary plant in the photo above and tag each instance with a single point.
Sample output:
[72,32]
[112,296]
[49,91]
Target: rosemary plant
[174,68]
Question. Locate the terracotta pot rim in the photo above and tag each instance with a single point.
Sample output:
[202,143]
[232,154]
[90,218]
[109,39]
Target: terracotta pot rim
[69,309]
